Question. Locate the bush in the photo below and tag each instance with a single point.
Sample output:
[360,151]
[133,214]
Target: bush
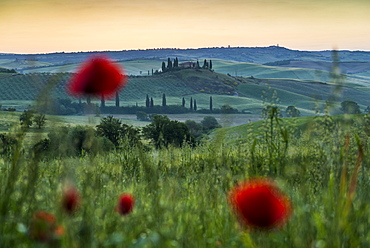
[163,132]
[113,129]
[209,123]
[292,111]
[72,141]
[350,107]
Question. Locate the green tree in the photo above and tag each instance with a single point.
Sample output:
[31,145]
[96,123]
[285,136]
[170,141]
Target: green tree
[205,64]
[367,110]
[209,123]
[40,120]
[102,102]
[210,104]
[163,132]
[151,102]
[292,111]
[191,103]
[196,129]
[147,101]
[117,99]
[110,128]
[195,105]
[8,145]
[130,134]
[142,116]
[169,64]
[227,109]
[26,118]
[164,102]
[164,67]
[350,107]
[183,102]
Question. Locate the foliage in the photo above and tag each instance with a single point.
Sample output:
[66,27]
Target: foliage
[70,142]
[26,118]
[8,144]
[227,109]
[110,128]
[292,111]
[163,132]
[39,120]
[142,116]
[209,123]
[196,129]
[113,129]
[350,107]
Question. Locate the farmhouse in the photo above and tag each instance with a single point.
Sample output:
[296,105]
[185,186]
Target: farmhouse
[188,64]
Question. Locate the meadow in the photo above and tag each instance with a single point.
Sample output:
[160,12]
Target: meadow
[181,194]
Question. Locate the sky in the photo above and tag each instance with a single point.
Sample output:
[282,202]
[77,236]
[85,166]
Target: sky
[43,26]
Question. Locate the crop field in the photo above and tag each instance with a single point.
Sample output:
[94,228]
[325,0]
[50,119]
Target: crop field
[263,71]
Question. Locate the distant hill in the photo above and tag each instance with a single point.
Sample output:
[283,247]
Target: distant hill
[258,55]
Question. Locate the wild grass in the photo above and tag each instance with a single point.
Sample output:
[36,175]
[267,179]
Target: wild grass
[181,193]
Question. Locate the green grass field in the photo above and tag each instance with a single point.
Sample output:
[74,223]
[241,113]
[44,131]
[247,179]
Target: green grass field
[181,193]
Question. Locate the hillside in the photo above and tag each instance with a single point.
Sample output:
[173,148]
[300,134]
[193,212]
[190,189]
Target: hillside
[244,93]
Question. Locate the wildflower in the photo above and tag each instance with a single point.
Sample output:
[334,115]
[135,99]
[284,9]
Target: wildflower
[43,227]
[125,204]
[97,77]
[260,204]
[70,199]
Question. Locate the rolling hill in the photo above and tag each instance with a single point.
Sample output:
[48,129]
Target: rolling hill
[243,93]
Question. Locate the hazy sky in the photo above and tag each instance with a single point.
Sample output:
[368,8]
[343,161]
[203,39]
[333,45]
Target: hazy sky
[37,26]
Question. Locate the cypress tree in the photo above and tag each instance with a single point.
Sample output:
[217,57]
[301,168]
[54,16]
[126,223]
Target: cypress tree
[117,99]
[151,102]
[164,100]
[210,103]
[169,66]
[163,66]
[210,64]
[198,64]
[195,105]
[147,101]
[205,64]
[183,102]
[191,103]
[102,105]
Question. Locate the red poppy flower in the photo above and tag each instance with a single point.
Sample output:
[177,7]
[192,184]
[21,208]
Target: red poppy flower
[70,199]
[125,204]
[260,204]
[43,227]
[97,77]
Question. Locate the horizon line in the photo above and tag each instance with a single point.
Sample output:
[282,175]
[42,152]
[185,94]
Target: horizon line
[175,48]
